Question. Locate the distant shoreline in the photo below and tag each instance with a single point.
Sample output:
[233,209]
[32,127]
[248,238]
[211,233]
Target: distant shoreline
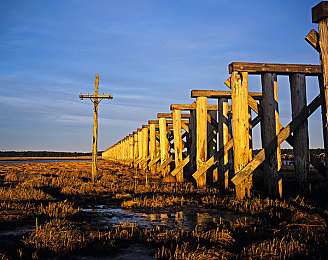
[47,158]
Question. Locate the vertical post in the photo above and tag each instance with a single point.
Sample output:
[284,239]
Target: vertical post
[145,146]
[223,140]
[201,155]
[135,148]
[193,142]
[152,145]
[139,147]
[301,137]
[240,124]
[269,129]
[95,132]
[176,115]
[212,174]
[320,16]
[164,143]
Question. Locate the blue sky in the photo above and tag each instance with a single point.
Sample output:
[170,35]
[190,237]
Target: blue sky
[149,54]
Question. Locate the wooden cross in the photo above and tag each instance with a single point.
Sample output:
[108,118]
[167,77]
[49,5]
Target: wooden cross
[95,99]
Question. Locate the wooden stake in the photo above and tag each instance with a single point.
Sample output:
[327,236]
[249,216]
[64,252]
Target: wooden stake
[212,174]
[164,144]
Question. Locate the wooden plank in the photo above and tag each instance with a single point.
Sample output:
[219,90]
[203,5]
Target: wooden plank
[177,142]
[168,121]
[282,136]
[212,160]
[279,69]
[270,127]
[169,115]
[191,106]
[178,169]
[165,164]
[240,119]
[193,144]
[201,154]
[185,127]
[300,136]
[154,161]
[313,39]
[220,94]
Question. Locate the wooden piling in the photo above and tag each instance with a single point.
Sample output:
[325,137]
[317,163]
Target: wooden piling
[212,174]
[269,129]
[201,154]
[164,144]
[176,115]
[240,117]
[301,138]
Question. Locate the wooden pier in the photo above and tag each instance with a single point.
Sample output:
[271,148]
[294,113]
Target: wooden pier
[212,144]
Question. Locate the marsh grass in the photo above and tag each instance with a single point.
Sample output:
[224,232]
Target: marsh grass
[52,192]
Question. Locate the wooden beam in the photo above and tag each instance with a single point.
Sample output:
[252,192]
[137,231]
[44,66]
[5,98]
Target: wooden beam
[180,167]
[169,115]
[300,136]
[319,15]
[164,144]
[223,140]
[96,96]
[191,107]
[279,69]
[220,94]
[152,145]
[313,39]
[165,165]
[282,136]
[201,154]
[168,121]
[270,127]
[177,142]
[212,174]
[240,119]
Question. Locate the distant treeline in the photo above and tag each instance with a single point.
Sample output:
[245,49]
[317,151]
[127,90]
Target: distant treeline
[43,154]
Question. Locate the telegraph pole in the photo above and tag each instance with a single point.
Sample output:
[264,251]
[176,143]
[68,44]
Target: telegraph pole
[95,99]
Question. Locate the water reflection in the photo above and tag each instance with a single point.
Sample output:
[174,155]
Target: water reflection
[186,219]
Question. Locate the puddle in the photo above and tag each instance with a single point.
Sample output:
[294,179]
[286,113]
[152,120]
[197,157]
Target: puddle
[185,218]
[16,231]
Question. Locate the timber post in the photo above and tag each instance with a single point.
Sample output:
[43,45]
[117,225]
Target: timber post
[320,16]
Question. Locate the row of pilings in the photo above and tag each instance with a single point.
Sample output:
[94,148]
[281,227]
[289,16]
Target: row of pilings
[212,144]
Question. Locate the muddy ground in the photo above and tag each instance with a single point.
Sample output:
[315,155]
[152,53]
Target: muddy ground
[52,210]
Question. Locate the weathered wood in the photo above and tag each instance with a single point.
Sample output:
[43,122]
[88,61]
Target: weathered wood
[240,118]
[96,96]
[191,106]
[212,174]
[212,160]
[201,154]
[319,15]
[169,115]
[282,136]
[300,136]
[140,146]
[164,166]
[320,12]
[145,145]
[192,166]
[223,140]
[180,167]
[152,145]
[168,121]
[313,39]
[154,161]
[176,114]
[220,94]
[164,144]
[279,69]
[135,148]
[270,127]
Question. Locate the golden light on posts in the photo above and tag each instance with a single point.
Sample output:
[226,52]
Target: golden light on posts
[96,99]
